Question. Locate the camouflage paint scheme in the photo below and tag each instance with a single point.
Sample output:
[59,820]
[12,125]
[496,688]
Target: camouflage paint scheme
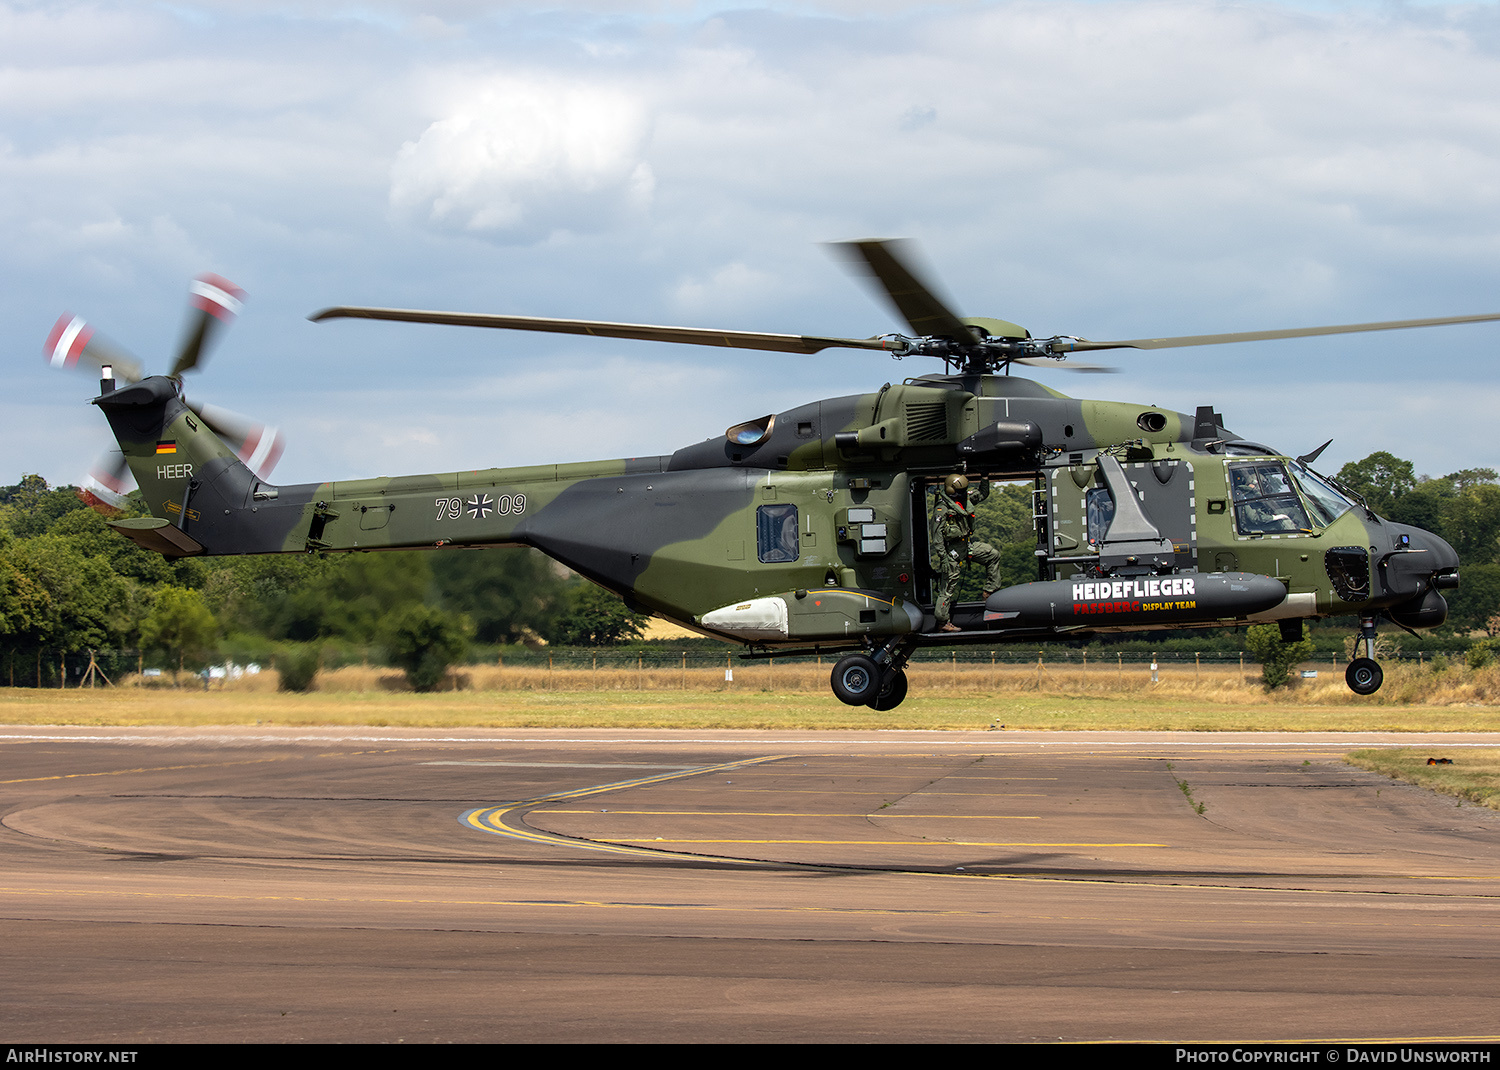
[704,536]
[808,530]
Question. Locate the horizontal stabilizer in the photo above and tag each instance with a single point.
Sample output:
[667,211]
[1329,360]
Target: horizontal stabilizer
[157,535]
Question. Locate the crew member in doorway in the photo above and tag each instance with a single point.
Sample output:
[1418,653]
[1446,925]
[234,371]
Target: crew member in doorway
[953,523]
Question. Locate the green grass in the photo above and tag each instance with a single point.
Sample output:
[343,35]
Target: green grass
[1474,775]
[1187,793]
[933,708]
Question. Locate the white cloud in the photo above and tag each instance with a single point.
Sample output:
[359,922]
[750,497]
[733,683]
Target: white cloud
[732,286]
[521,159]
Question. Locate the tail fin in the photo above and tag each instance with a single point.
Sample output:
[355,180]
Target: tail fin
[191,481]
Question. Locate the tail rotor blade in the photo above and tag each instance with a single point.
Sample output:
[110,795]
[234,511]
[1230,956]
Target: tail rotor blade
[105,488]
[72,342]
[259,445]
[214,300]
[262,450]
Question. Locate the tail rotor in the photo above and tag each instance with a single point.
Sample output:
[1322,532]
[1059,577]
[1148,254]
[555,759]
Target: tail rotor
[214,302]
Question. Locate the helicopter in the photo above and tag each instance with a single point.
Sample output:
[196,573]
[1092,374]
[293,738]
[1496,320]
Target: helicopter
[809,531]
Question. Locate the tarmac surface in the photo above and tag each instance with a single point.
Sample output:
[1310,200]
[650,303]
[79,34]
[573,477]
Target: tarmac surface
[161,885]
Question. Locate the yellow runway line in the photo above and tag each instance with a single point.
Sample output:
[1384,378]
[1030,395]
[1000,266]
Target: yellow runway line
[759,813]
[493,819]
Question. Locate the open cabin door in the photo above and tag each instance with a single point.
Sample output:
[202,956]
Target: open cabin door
[1111,515]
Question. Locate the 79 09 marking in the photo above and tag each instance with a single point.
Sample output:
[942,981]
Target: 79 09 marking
[479,506]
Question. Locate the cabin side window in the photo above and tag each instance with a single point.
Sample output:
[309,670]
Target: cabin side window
[776,534]
[1101,513]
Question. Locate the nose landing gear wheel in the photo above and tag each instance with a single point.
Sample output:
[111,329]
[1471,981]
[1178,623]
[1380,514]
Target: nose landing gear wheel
[892,691]
[856,680]
[1364,676]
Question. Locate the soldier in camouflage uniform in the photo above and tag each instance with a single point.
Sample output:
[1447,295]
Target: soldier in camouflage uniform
[953,526]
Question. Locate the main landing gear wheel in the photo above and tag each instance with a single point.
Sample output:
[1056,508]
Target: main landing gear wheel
[892,691]
[1364,676]
[856,680]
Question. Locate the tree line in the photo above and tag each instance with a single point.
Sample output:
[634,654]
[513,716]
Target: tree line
[70,585]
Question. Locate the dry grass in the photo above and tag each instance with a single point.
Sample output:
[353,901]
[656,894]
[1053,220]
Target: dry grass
[1404,684]
[771,695]
[1474,774]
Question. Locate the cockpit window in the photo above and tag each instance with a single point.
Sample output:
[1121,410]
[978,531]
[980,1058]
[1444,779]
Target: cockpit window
[1265,501]
[1242,448]
[1327,503]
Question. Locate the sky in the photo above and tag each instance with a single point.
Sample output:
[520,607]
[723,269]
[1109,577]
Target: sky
[1107,169]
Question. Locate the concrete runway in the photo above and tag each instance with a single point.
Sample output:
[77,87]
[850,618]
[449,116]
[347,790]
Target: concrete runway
[566,885]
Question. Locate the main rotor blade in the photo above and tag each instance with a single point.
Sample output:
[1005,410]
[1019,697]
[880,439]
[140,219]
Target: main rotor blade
[1082,345]
[214,300]
[914,299]
[700,336]
[72,341]
[1066,365]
